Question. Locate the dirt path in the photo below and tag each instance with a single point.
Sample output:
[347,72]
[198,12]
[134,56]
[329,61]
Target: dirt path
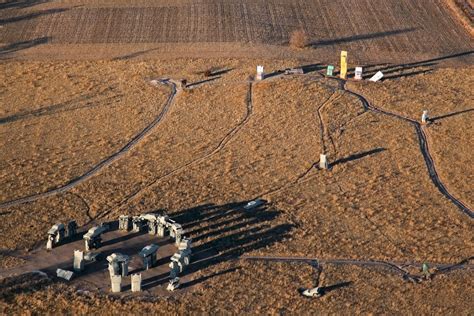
[224,141]
[396,266]
[425,150]
[106,162]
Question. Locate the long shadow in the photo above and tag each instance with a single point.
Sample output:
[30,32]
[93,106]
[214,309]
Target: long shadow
[20,284]
[437,118]
[312,68]
[133,55]
[207,277]
[357,156]
[407,74]
[14,47]
[229,232]
[30,16]
[60,108]
[20,4]
[386,69]
[190,85]
[326,289]
[214,71]
[360,37]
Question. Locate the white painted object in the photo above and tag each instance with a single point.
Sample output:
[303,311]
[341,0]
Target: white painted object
[315,292]
[116,281]
[323,162]
[64,274]
[253,204]
[260,74]
[136,282]
[358,73]
[78,265]
[424,117]
[377,76]
[173,284]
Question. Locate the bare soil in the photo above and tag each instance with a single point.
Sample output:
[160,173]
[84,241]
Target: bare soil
[390,31]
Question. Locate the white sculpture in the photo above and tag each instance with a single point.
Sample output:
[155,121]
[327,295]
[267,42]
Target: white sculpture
[148,255]
[78,264]
[260,74]
[136,282]
[323,162]
[424,117]
[358,73]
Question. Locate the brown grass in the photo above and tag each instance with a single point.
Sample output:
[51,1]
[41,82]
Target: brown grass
[382,206]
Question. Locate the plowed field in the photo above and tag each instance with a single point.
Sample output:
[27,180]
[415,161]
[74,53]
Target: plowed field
[389,30]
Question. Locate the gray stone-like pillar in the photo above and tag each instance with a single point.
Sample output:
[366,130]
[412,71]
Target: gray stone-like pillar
[124,223]
[124,266]
[50,242]
[323,162]
[136,282]
[116,281]
[71,229]
[78,265]
[161,230]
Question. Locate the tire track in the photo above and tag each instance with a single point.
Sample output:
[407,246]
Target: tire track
[424,148]
[324,129]
[224,141]
[106,162]
[395,266]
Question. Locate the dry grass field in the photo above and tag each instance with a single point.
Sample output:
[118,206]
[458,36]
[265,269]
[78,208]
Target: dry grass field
[85,135]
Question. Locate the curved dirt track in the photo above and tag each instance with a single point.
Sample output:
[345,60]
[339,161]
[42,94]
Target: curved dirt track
[223,142]
[396,266]
[424,148]
[106,162]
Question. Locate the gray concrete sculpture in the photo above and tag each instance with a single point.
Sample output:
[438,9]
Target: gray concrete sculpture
[136,282]
[71,229]
[424,117]
[125,223]
[323,162]
[93,239]
[78,264]
[148,255]
[116,282]
[173,284]
[118,264]
[64,274]
[55,235]
[139,223]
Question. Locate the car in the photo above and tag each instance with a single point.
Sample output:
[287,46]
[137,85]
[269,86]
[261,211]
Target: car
[254,204]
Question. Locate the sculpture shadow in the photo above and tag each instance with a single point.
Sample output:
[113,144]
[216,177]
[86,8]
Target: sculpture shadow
[30,16]
[21,4]
[360,37]
[357,156]
[437,118]
[224,233]
[71,105]
[22,284]
[312,68]
[194,84]
[136,54]
[15,47]
[370,70]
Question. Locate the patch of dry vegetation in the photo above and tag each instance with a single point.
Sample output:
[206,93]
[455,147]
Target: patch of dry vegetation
[299,39]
